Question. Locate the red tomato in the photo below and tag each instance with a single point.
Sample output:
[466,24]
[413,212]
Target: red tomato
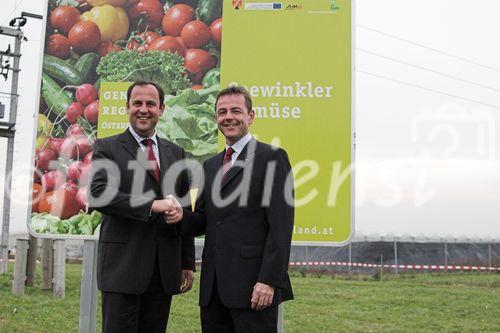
[91,112]
[61,203]
[85,36]
[176,18]
[195,34]
[216,32]
[58,46]
[106,47]
[168,44]
[36,196]
[74,111]
[63,18]
[141,42]
[198,62]
[151,12]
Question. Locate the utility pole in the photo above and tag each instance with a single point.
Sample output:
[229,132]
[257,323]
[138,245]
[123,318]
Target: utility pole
[7,130]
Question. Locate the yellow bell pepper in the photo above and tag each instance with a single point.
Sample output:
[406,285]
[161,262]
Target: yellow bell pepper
[112,21]
[114,3]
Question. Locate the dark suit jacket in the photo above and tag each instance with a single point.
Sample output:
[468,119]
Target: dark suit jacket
[248,243]
[130,237]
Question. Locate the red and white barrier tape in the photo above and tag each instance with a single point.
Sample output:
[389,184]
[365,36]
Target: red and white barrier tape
[409,267]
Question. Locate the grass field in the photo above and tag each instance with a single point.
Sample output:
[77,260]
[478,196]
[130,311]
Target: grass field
[452,302]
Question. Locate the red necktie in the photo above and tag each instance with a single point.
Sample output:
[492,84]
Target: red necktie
[151,157]
[226,162]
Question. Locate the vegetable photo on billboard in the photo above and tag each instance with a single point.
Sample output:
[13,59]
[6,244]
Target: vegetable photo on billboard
[175,44]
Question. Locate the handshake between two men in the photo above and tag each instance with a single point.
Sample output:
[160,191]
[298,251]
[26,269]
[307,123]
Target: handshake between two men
[169,207]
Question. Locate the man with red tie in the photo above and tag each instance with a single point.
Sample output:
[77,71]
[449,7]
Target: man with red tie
[142,258]
[245,210]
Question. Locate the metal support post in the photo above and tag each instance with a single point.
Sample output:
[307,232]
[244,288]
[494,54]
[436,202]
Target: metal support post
[395,255]
[20,267]
[350,257]
[18,34]
[307,259]
[281,318]
[88,294]
[445,255]
[59,268]
[47,264]
[31,264]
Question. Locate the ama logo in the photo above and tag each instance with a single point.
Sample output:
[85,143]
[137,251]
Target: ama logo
[293,7]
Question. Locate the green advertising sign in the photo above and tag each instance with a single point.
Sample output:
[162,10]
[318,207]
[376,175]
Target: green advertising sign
[294,57]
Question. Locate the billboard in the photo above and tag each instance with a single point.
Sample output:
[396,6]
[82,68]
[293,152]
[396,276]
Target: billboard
[293,57]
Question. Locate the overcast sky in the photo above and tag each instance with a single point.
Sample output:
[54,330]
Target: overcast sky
[427,113]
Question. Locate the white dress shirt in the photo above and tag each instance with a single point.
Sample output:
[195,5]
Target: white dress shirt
[153,138]
[238,146]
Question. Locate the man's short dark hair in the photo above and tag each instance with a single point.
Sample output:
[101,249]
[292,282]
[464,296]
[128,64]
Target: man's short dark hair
[236,90]
[161,94]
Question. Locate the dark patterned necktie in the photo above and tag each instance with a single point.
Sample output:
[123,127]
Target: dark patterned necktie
[152,159]
[226,162]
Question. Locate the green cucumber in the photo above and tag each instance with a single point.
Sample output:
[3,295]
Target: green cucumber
[61,71]
[54,97]
[209,10]
[87,65]
[97,84]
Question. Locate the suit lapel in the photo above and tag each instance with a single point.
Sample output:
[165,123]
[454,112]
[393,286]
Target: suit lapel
[166,157]
[243,160]
[130,144]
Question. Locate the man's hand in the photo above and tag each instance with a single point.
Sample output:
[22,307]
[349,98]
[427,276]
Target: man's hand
[163,205]
[187,280]
[262,296]
[175,213]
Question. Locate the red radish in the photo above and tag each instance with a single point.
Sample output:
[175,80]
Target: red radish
[37,176]
[85,173]
[55,144]
[73,171]
[91,112]
[69,186]
[74,111]
[52,180]
[88,157]
[75,147]
[81,197]
[197,87]
[86,94]
[74,130]
[44,157]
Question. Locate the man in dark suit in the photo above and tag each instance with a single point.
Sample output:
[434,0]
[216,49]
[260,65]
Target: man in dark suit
[142,258]
[246,213]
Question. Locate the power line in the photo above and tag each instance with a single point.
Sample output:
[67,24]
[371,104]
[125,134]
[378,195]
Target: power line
[8,94]
[429,48]
[428,89]
[429,70]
